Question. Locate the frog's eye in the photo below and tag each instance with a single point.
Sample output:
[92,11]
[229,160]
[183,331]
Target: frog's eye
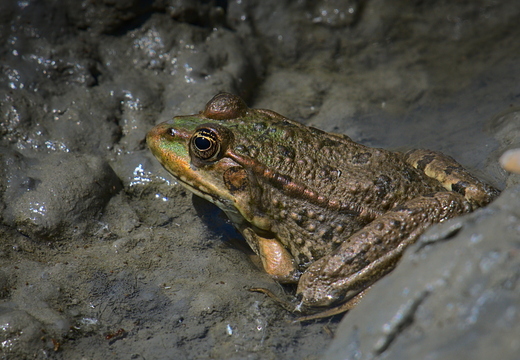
[209,143]
[205,144]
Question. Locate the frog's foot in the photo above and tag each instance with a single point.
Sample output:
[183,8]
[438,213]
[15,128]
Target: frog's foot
[300,308]
[452,176]
[358,262]
[340,309]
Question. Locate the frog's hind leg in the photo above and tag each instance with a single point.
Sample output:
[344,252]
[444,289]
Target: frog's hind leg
[452,176]
[373,251]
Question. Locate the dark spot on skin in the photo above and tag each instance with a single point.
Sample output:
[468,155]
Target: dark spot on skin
[421,164]
[326,172]
[285,123]
[361,158]
[286,151]
[377,241]
[460,187]
[383,185]
[401,208]
[348,210]
[450,169]
[395,223]
[329,143]
[241,149]
[316,131]
[235,179]
[410,175]
[329,234]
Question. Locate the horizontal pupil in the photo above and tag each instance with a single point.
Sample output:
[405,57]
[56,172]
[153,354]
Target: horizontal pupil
[202,143]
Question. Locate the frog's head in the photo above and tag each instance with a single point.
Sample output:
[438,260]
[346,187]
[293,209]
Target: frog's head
[198,150]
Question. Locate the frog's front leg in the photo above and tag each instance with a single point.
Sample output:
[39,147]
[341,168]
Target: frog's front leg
[276,260]
[358,262]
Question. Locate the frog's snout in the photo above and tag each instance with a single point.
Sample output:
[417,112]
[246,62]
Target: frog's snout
[156,133]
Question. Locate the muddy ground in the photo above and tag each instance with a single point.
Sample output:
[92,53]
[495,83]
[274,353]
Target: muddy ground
[103,255]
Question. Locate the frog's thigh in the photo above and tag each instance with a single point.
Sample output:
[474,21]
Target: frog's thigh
[374,250]
[275,258]
[452,176]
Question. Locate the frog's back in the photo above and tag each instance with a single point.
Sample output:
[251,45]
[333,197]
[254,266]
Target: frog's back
[332,165]
[322,187]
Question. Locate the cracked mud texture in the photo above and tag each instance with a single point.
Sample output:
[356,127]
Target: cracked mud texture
[103,254]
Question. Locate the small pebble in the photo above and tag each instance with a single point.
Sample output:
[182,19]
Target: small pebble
[510,161]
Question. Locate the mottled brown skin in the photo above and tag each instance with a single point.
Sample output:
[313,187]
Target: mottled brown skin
[318,208]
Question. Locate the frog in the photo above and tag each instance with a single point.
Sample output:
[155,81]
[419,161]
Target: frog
[320,210]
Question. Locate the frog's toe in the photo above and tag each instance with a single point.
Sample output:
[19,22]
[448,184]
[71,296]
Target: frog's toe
[316,291]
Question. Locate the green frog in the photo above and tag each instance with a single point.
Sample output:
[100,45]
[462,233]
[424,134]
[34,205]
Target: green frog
[319,209]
